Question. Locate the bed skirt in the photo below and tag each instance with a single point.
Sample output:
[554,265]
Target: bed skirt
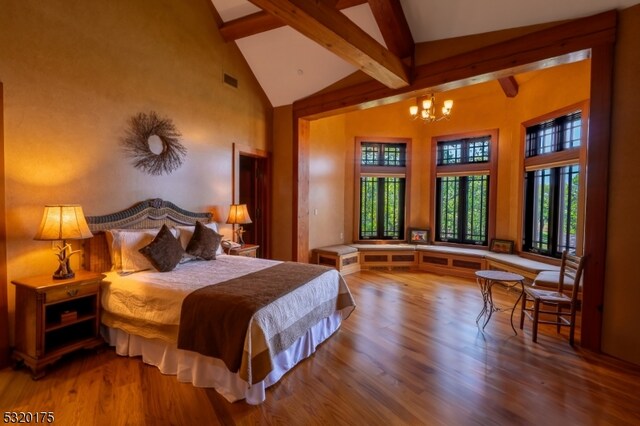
[207,372]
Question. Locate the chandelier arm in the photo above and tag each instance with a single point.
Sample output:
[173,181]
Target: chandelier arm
[426,111]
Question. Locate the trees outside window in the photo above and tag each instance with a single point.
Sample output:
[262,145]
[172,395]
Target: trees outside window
[465,190]
[552,184]
[381,189]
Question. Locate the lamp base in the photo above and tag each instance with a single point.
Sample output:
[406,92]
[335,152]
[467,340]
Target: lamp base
[66,276]
[240,231]
[64,271]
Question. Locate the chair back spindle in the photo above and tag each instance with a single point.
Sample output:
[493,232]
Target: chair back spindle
[535,299]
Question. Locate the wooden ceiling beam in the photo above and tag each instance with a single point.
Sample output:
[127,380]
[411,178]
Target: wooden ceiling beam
[509,86]
[334,31]
[262,21]
[552,46]
[394,27]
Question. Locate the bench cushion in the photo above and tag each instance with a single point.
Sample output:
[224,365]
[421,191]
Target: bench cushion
[454,250]
[337,250]
[550,279]
[521,262]
[384,247]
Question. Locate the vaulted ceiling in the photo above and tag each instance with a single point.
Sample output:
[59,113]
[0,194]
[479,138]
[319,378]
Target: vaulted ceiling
[298,47]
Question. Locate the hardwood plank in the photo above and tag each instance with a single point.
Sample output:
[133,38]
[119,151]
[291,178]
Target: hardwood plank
[262,21]
[337,33]
[409,354]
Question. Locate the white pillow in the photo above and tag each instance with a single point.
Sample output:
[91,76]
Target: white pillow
[186,232]
[130,242]
[113,243]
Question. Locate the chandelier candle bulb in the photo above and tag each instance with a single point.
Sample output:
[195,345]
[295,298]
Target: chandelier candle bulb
[428,111]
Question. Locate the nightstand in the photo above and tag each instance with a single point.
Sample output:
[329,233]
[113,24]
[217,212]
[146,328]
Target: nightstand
[247,250]
[55,317]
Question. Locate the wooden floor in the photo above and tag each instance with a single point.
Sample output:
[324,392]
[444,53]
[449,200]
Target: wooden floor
[409,354]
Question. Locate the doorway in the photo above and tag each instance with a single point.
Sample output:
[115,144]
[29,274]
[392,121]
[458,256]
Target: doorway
[252,176]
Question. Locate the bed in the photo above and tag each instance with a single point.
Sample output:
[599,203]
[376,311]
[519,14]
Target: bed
[233,323]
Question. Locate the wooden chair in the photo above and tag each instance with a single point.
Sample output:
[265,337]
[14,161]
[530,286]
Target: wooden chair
[535,298]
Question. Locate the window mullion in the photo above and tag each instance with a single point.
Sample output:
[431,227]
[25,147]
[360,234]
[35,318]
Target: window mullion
[380,207]
[462,210]
[554,214]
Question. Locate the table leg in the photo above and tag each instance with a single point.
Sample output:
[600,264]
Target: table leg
[491,308]
[483,290]
[516,304]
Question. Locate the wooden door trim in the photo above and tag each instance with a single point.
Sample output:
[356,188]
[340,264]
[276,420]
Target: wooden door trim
[248,151]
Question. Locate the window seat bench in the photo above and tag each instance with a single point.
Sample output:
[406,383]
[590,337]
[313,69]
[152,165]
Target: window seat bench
[342,257]
[445,260]
[387,256]
[528,268]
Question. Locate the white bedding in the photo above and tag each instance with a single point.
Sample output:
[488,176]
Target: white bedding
[207,372]
[156,297]
[141,312]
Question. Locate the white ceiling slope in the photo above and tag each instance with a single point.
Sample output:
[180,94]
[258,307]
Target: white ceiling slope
[289,66]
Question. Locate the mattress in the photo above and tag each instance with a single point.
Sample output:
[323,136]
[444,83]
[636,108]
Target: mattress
[146,306]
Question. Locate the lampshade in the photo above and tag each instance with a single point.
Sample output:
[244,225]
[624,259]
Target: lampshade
[238,214]
[63,222]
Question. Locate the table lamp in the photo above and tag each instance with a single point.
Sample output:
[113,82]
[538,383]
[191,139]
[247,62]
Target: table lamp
[63,222]
[238,214]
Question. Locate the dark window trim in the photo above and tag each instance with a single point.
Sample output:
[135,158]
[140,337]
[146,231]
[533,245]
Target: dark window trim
[491,169]
[561,158]
[390,171]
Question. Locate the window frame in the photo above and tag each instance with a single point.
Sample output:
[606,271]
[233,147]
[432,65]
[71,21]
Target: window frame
[557,159]
[390,171]
[489,168]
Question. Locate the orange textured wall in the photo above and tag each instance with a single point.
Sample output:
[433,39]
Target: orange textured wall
[4,305]
[326,173]
[479,107]
[75,71]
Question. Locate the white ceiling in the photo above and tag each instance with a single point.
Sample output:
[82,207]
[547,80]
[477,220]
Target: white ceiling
[289,66]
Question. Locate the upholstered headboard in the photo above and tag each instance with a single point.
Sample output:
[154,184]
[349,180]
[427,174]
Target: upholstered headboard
[145,215]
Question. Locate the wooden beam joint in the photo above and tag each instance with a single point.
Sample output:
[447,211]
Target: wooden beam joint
[509,86]
[334,31]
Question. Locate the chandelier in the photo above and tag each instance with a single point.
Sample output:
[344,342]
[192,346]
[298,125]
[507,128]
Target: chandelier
[428,111]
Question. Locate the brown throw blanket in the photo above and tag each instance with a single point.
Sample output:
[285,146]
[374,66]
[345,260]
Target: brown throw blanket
[215,320]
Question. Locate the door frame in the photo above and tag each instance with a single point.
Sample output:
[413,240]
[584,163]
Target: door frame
[245,150]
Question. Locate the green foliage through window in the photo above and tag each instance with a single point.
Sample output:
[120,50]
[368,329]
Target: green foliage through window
[464,151]
[462,209]
[382,196]
[462,200]
[551,194]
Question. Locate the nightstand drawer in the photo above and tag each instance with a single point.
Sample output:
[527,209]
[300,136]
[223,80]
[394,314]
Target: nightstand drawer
[55,317]
[250,253]
[70,291]
[247,250]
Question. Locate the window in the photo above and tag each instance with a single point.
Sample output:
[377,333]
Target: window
[464,188]
[552,185]
[382,186]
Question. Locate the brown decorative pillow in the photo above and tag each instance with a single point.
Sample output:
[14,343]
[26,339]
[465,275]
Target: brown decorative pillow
[204,243]
[164,252]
